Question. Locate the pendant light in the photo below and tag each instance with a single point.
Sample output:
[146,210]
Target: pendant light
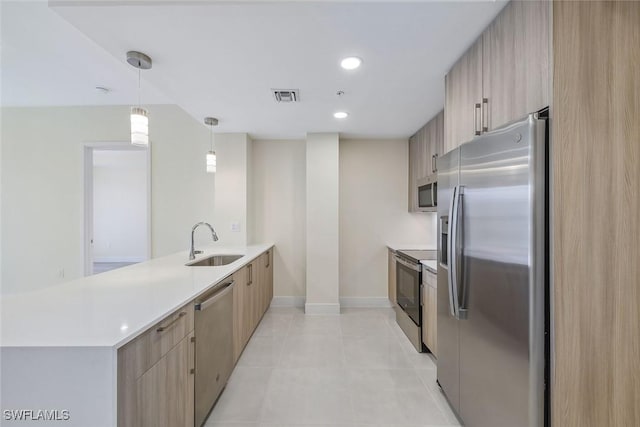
[211,155]
[139,116]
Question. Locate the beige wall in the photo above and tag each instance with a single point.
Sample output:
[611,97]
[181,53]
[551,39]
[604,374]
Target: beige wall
[373,212]
[323,240]
[279,200]
[42,185]
[233,184]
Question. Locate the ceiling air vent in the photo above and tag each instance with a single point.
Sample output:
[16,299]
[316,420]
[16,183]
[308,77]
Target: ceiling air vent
[286,95]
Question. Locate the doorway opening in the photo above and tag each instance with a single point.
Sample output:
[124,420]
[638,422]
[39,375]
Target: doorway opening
[117,206]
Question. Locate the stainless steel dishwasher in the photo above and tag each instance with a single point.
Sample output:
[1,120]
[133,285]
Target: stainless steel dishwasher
[214,347]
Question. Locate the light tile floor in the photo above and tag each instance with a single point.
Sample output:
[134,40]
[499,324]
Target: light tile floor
[356,369]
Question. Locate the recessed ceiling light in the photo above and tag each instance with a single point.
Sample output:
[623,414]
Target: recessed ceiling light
[351,63]
[340,115]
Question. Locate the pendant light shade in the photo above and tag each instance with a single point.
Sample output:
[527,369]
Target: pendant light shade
[139,127]
[211,155]
[139,116]
[211,162]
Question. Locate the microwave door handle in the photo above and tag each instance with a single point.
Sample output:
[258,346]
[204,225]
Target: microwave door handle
[450,256]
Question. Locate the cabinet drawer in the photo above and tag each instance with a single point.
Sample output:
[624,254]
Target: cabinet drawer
[143,352]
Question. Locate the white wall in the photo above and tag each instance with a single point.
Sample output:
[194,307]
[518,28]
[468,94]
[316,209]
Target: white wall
[233,178]
[373,212]
[279,210]
[42,188]
[323,257]
[119,205]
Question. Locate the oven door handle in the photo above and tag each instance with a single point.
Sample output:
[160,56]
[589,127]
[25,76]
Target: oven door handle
[414,267]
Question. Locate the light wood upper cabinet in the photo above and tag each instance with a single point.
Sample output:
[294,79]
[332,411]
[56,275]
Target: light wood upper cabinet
[413,174]
[515,72]
[503,76]
[463,98]
[424,148]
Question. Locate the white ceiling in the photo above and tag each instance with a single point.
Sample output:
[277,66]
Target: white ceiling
[47,62]
[222,58]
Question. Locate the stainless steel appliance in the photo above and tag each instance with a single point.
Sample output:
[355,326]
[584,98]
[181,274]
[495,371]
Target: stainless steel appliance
[428,193]
[492,277]
[409,293]
[214,347]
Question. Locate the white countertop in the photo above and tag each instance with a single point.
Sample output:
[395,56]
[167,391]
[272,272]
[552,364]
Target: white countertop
[411,246]
[112,308]
[431,264]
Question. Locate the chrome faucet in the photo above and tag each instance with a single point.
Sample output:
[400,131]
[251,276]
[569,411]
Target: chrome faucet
[193,252]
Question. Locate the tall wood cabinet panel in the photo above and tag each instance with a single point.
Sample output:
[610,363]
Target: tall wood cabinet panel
[463,92]
[596,157]
[516,67]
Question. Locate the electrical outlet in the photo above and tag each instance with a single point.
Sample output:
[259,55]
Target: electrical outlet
[235,227]
[61,273]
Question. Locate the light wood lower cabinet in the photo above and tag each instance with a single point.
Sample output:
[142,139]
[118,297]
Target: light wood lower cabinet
[160,359]
[165,392]
[252,296]
[430,311]
[156,370]
[392,277]
[240,295]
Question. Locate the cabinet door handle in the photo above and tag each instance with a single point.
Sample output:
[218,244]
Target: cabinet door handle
[268,259]
[165,327]
[250,267]
[433,169]
[485,114]
[192,371]
[477,119]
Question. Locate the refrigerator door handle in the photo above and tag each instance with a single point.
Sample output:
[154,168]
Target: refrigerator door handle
[453,262]
[453,302]
[460,290]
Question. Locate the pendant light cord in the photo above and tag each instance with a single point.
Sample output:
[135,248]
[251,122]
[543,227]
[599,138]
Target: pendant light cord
[138,87]
[211,137]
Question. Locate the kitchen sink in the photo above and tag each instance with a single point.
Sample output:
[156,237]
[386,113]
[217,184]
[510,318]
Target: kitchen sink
[215,261]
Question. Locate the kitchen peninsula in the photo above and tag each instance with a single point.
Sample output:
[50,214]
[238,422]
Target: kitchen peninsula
[60,345]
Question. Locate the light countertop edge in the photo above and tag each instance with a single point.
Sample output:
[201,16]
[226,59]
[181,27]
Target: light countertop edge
[112,308]
[431,264]
[411,246]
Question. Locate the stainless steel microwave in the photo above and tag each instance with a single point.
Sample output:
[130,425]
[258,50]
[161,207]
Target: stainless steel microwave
[428,194]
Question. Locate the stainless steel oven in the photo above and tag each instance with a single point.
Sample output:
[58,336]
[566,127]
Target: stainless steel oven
[408,280]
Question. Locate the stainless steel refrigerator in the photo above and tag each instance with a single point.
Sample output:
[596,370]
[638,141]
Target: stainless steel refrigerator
[492,277]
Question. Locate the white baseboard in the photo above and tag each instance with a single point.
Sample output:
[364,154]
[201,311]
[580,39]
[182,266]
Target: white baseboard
[365,302]
[119,259]
[346,302]
[322,308]
[282,301]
